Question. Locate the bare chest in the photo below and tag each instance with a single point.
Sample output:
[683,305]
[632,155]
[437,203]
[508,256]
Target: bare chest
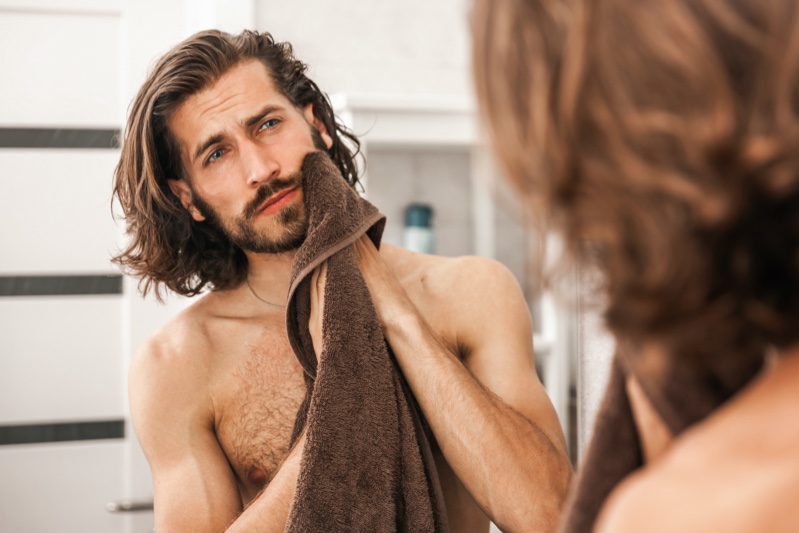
[256,397]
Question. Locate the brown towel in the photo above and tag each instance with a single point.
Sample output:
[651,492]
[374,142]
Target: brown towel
[682,394]
[367,465]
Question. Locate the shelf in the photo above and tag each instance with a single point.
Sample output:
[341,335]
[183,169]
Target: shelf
[409,121]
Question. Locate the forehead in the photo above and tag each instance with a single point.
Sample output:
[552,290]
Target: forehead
[249,78]
[229,102]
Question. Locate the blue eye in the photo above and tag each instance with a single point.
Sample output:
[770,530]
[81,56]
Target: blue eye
[269,124]
[216,154]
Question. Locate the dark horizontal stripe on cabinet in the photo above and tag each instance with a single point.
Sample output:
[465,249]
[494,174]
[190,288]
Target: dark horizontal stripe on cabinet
[59,138]
[62,432]
[60,285]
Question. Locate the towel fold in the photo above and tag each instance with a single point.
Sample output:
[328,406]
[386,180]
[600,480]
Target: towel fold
[367,464]
[682,393]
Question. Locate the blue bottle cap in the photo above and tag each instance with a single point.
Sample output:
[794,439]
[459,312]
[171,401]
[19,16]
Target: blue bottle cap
[418,215]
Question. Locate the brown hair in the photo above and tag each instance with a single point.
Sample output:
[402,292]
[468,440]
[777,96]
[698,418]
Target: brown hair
[168,247]
[662,140]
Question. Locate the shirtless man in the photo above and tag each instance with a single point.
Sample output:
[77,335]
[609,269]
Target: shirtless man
[214,394]
[664,135]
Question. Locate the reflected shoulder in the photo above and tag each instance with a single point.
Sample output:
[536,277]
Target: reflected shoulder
[171,367]
[484,285]
[184,333]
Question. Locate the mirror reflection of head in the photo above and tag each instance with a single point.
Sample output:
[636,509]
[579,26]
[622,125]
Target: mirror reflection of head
[211,160]
[660,139]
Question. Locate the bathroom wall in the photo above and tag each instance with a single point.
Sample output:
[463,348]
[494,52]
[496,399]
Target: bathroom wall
[413,47]
[442,178]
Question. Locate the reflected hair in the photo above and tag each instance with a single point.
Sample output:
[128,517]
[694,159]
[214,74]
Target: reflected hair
[167,247]
[661,140]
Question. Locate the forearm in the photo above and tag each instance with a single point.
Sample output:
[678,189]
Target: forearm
[269,511]
[515,472]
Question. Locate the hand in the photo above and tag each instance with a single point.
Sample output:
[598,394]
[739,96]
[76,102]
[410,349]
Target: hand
[318,281]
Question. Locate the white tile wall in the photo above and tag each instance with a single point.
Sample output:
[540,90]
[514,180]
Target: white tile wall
[440,178]
[512,237]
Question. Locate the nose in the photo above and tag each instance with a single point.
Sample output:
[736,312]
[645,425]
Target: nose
[258,163]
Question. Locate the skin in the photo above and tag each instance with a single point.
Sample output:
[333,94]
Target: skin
[656,438]
[744,473]
[214,394]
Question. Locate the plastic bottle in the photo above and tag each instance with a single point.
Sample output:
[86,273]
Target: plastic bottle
[418,235]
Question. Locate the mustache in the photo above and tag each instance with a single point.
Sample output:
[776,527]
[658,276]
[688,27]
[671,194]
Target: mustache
[268,189]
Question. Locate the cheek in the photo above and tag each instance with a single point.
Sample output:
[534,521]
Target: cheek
[297,146]
[222,197]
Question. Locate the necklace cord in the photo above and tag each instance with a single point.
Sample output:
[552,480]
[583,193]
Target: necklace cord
[247,279]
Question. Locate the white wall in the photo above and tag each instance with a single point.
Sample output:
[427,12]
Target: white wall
[411,47]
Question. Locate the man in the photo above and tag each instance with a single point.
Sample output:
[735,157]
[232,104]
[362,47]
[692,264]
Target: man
[661,140]
[209,180]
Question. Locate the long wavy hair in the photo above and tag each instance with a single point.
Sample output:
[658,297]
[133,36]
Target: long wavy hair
[167,247]
[661,140]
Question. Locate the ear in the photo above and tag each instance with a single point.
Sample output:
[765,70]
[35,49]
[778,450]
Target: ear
[318,124]
[182,190]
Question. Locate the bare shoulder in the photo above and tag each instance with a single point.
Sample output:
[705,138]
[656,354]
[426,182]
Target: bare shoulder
[180,344]
[752,498]
[737,471]
[459,280]
[471,301]
[168,378]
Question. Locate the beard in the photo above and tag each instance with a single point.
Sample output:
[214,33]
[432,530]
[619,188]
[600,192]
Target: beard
[284,231]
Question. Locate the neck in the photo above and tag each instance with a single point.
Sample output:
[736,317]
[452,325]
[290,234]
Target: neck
[269,275]
[786,358]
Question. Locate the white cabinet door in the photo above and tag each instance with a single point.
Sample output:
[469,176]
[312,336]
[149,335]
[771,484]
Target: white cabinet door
[66,449]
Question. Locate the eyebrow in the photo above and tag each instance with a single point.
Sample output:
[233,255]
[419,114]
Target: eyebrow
[207,144]
[218,137]
[271,108]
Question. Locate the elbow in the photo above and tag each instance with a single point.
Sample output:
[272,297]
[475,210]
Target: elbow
[539,503]
[561,477]
[540,517]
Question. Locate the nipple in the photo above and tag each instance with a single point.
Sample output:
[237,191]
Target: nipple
[257,476]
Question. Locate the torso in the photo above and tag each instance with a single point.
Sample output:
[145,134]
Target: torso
[257,386]
[256,396]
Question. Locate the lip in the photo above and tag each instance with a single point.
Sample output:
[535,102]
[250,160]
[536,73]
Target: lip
[278,201]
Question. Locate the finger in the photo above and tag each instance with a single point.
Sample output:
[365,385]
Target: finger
[363,248]
[318,280]
[314,285]
[322,275]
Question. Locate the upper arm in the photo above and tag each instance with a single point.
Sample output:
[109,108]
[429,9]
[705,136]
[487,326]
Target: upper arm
[495,327]
[194,488]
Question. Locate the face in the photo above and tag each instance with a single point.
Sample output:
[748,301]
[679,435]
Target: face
[242,144]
